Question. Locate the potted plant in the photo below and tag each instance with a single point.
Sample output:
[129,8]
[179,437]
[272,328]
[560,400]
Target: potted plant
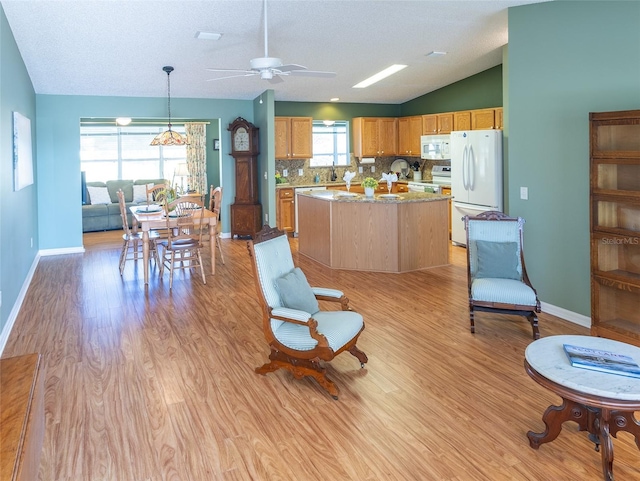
[369,184]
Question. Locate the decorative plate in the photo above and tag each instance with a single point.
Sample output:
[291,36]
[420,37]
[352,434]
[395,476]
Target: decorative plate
[149,209]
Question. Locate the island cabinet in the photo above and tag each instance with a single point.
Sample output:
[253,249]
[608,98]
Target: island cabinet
[437,123]
[375,136]
[447,191]
[286,209]
[615,225]
[374,234]
[294,138]
[409,132]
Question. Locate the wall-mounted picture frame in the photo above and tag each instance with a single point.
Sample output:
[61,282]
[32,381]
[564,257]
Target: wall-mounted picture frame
[22,154]
[216,144]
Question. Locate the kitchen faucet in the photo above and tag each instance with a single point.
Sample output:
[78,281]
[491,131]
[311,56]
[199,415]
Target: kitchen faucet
[334,176]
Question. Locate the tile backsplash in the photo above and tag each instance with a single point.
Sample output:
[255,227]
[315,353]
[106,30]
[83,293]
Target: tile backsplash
[382,164]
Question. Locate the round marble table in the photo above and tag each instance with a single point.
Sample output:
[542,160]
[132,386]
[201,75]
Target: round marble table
[600,403]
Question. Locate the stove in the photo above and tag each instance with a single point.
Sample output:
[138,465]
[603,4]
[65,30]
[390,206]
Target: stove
[440,177]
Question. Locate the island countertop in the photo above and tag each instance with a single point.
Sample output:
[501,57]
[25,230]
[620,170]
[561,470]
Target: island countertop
[404,197]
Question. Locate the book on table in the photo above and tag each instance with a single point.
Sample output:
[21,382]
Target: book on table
[603,361]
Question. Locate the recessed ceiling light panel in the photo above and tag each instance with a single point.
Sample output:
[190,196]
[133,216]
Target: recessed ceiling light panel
[436,54]
[208,36]
[379,76]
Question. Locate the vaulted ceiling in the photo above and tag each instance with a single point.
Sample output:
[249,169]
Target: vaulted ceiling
[118,47]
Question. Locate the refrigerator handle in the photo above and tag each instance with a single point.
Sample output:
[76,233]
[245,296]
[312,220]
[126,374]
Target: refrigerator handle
[464,167]
[472,168]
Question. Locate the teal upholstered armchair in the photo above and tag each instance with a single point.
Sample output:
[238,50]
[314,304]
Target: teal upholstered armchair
[496,274]
[300,335]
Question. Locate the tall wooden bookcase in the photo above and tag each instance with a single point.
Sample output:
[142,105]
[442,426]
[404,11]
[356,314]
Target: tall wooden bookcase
[615,225]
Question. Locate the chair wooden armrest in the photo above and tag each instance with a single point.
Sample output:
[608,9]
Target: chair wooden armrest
[290,315]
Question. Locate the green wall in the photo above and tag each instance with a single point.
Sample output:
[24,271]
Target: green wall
[565,59]
[479,91]
[58,141]
[18,210]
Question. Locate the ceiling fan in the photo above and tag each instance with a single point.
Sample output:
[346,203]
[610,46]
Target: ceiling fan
[270,68]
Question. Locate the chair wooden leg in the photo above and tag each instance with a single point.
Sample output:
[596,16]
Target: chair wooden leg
[299,368]
[173,259]
[362,357]
[123,256]
[533,319]
[204,281]
[472,320]
[219,248]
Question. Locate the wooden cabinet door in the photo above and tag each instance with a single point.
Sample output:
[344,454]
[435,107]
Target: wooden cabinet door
[429,124]
[285,215]
[301,138]
[499,118]
[462,120]
[403,136]
[369,137]
[282,137]
[482,119]
[387,136]
[409,132]
[445,123]
[447,191]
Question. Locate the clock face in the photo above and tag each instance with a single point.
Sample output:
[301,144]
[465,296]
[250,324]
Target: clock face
[241,139]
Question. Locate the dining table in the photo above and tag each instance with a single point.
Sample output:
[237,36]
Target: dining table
[148,217]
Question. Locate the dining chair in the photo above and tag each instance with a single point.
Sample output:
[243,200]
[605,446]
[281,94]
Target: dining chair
[133,240]
[300,335]
[182,248]
[497,278]
[156,194]
[215,203]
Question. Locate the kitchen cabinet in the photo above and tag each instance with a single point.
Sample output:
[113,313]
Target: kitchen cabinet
[615,225]
[462,120]
[293,137]
[483,119]
[499,118]
[447,191]
[375,136]
[286,209]
[409,132]
[437,123]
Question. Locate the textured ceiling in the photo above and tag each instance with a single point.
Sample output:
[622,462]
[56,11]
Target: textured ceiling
[114,47]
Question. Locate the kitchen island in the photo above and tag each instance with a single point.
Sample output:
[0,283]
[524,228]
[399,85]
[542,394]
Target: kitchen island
[397,233]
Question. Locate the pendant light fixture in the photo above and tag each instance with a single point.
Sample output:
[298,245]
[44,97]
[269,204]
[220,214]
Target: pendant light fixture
[169,137]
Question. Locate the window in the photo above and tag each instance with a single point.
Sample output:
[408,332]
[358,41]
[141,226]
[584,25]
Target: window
[110,153]
[330,144]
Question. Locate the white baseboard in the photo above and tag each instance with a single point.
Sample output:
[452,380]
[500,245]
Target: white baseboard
[4,335]
[66,250]
[565,314]
[225,235]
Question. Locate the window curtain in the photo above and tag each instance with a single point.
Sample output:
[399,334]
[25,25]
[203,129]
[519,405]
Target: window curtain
[197,155]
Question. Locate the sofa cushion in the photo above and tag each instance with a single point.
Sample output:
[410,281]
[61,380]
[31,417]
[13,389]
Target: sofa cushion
[140,192]
[125,185]
[98,195]
[95,210]
[150,181]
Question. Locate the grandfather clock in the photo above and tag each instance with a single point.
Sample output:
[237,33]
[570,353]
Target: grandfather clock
[246,211]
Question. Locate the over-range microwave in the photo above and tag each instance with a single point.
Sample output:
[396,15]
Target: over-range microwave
[435,147]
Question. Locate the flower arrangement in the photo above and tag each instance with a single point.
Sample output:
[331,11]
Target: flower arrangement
[280,179]
[166,196]
[370,182]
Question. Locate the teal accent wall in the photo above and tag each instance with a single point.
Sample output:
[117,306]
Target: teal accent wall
[18,210]
[565,59]
[483,90]
[58,141]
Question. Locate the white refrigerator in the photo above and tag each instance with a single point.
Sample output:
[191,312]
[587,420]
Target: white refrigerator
[476,176]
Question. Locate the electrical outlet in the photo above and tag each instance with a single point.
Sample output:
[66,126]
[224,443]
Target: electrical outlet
[265,176]
[360,170]
[300,172]
[266,218]
[32,242]
[285,172]
[373,168]
[524,193]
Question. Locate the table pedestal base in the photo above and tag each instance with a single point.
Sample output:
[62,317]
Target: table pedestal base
[601,423]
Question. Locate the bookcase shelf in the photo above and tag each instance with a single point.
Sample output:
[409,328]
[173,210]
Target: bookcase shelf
[615,225]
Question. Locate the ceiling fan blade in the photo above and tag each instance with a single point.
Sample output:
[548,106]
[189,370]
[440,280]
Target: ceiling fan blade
[243,70]
[291,67]
[248,73]
[312,73]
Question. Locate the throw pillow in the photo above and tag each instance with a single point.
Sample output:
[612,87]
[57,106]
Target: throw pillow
[296,292]
[99,195]
[140,192]
[497,260]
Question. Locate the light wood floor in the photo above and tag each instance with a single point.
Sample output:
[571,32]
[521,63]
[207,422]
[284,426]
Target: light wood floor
[149,385]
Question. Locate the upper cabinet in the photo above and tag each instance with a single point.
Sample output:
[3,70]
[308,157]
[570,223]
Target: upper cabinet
[483,119]
[437,123]
[462,120]
[294,137]
[375,136]
[499,121]
[409,132]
